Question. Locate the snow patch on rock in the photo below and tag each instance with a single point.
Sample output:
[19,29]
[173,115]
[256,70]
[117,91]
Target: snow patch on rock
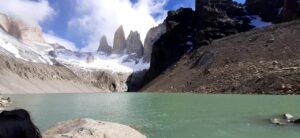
[114,62]
[258,23]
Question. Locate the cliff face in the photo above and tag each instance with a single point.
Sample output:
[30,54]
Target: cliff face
[4,22]
[262,61]
[152,36]
[20,29]
[220,19]
[177,40]
[25,32]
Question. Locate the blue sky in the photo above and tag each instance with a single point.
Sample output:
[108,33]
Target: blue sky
[80,24]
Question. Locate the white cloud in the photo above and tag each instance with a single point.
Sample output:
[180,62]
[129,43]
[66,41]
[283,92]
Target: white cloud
[34,12]
[52,38]
[27,10]
[102,17]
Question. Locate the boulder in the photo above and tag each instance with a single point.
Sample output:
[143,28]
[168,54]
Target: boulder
[104,47]
[152,36]
[4,22]
[88,128]
[134,45]
[4,102]
[25,31]
[284,119]
[119,45]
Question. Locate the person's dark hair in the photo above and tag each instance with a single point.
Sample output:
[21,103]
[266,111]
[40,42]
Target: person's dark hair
[17,124]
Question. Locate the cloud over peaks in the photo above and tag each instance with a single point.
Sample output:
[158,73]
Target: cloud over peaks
[27,10]
[95,18]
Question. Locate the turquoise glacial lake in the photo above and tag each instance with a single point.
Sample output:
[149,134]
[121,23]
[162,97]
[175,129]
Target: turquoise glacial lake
[170,115]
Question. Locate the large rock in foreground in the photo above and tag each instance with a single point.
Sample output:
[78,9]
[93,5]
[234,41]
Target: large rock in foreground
[88,128]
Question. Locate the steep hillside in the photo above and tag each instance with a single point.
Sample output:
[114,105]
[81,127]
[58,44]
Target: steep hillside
[19,76]
[261,61]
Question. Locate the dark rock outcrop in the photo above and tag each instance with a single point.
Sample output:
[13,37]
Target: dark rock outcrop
[134,45]
[261,61]
[152,36]
[220,19]
[134,81]
[174,43]
[291,10]
[268,10]
[104,47]
[274,10]
[187,29]
[119,45]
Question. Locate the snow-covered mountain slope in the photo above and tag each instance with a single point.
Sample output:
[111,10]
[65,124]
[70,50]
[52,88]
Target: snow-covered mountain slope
[109,73]
[257,22]
[96,61]
[49,54]
[32,52]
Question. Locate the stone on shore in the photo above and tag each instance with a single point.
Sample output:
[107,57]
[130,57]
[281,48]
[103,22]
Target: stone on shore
[4,102]
[88,128]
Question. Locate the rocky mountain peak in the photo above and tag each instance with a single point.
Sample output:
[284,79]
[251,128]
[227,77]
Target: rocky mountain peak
[152,36]
[119,41]
[134,45]
[24,31]
[4,22]
[104,47]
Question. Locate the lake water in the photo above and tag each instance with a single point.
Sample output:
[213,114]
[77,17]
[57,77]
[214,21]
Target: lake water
[170,115]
